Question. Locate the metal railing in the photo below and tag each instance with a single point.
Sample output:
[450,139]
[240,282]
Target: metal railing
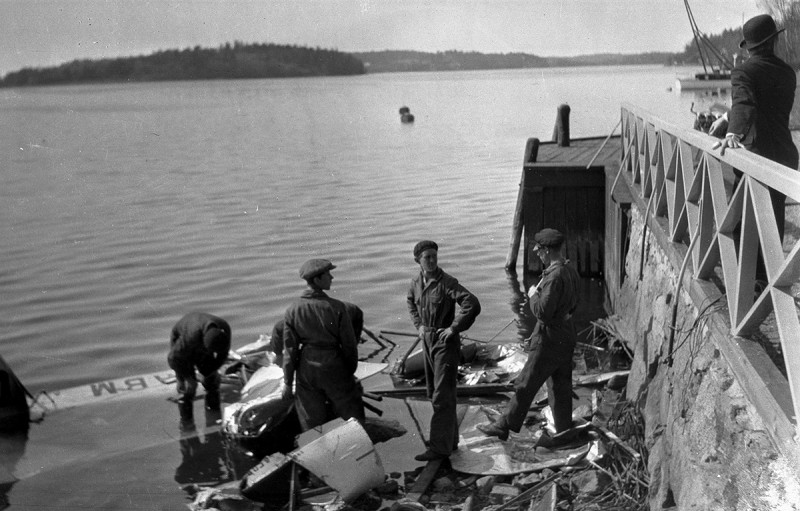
[689,187]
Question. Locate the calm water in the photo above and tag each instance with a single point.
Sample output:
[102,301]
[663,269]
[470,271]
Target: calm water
[125,206]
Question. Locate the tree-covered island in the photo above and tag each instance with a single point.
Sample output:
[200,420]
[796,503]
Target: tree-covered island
[235,60]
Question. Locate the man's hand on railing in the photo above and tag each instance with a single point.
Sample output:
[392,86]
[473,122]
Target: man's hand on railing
[731,140]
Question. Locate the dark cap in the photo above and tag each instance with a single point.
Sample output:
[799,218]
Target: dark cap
[424,245]
[758,30]
[314,267]
[548,238]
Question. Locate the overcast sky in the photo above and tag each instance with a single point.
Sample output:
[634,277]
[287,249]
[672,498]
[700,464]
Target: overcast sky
[37,33]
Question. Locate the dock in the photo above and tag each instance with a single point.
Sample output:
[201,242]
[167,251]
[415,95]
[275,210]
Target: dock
[600,151]
[563,186]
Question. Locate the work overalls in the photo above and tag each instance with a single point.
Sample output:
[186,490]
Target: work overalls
[432,305]
[322,354]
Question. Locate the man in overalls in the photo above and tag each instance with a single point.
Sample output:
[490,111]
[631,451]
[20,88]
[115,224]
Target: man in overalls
[553,302]
[320,352]
[432,300]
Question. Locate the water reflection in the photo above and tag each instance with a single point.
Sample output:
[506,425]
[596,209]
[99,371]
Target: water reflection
[208,458]
[203,459]
[12,448]
[519,306]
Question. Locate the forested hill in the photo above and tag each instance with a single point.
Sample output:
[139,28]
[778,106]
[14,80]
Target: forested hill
[278,61]
[228,61]
[394,61]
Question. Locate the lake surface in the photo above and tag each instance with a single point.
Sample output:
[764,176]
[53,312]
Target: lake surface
[125,206]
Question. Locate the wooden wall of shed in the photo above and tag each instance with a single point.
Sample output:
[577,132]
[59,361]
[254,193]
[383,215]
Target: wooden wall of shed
[571,199]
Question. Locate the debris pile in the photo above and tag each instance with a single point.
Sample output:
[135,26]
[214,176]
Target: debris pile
[603,467]
[601,463]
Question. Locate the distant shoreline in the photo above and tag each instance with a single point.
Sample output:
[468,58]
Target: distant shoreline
[240,61]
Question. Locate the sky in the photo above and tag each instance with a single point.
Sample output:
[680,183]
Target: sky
[38,33]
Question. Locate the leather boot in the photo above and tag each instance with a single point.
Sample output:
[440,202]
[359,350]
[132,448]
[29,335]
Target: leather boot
[494,429]
[212,400]
[186,408]
[211,383]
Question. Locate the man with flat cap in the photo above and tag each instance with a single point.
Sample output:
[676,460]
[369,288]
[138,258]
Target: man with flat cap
[553,302]
[198,341]
[762,92]
[320,351]
[441,309]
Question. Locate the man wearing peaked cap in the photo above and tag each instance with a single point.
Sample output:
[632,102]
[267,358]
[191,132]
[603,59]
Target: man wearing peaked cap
[553,302]
[314,267]
[440,309]
[320,351]
[422,246]
[548,238]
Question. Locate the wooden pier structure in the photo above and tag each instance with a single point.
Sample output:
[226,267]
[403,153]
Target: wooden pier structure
[683,192]
[563,187]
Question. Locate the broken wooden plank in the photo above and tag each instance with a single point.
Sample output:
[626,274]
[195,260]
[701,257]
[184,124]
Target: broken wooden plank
[429,472]
[548,501]
[424,480]
[522,497]
[595,379]
[617,440]
[462,390]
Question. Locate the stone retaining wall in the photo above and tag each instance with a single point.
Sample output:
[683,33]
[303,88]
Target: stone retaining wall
[709,447]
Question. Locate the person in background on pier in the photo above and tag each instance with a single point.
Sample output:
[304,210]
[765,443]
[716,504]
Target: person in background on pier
[553,302]
[432,300]
[198,341]
[762,91]
[320,351]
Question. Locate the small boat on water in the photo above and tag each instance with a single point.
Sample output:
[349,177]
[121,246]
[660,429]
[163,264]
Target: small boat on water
[720,79]
[714,76]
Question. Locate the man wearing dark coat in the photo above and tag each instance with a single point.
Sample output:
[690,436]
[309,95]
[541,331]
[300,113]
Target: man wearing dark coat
[553,302]
[276,339]
[320,352]
[762,90]
[198,341]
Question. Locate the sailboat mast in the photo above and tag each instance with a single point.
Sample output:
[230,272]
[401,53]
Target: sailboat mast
[695,32]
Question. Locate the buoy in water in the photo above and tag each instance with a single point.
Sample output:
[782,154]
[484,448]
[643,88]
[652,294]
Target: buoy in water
[406,116]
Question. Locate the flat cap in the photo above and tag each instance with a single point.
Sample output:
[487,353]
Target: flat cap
[314,267]
[548,238]
[424,245]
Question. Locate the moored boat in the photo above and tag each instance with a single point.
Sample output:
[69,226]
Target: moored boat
[701,81]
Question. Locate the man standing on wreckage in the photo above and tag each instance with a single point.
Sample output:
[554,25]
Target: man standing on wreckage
[320,352]
[432,301]
[553,302]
